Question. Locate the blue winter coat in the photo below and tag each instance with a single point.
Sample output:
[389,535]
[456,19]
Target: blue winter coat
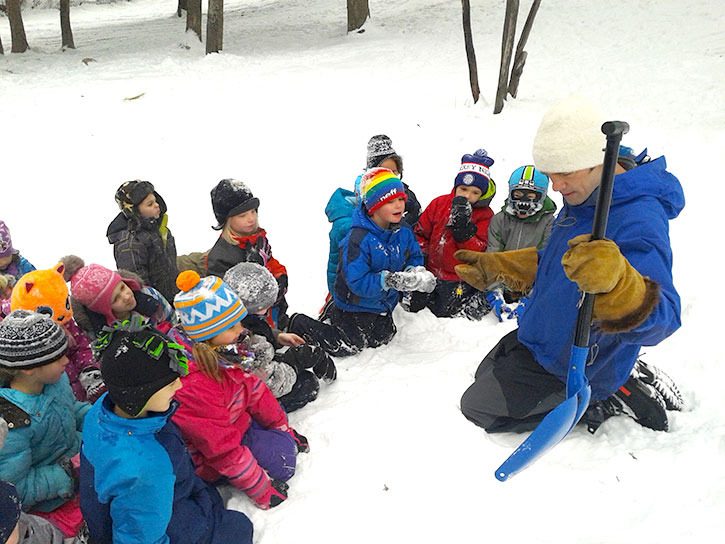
[138,485]
[31,453]
[643,201]
[339,212]
[18,267]
[366,251]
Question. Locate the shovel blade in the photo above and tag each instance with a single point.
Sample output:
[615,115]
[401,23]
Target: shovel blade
[552,429]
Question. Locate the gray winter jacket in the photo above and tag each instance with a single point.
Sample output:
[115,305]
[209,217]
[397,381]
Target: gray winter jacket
[507,232]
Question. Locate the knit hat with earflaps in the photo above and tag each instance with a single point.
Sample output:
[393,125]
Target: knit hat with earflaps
[206,306]
[135,364]
[231,197]
[569,137]
[30,339]
[93,285]
[254,284]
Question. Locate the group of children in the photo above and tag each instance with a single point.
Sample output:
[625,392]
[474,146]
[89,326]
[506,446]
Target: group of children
[121,412]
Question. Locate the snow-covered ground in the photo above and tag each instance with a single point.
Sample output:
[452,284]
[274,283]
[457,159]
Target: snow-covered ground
[288,107]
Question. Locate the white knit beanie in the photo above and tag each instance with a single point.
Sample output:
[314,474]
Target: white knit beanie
[569,137]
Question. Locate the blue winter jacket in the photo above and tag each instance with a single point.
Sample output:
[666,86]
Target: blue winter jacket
[643,201]
[138,485]
[18,267]
[31,453]
[339,211]
[366,251]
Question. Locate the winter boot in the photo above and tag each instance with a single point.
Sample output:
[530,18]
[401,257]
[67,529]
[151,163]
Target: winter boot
[664,385]
[637,399]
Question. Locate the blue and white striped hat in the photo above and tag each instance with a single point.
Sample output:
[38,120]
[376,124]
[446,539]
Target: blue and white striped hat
[207,306]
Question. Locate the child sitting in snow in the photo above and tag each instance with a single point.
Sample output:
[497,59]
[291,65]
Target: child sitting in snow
[234,427]
[137,480]
[379,259]
[524,221]
[342,203]
[101,297]
[47,291]
[142,241]
[285,372]
[44,417]
[457,220]
[243,240]
[12,263]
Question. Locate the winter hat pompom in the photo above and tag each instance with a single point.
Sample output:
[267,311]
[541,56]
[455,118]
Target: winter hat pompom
[474,171]
[187,280]
[569,137]
[206,306]
[72,264]
[378,186]
[231,197]
[254,284]
[10,508]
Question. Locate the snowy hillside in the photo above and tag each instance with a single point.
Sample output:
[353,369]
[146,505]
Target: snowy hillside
[288,107]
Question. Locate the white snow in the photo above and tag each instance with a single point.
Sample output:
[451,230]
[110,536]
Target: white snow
[288,108]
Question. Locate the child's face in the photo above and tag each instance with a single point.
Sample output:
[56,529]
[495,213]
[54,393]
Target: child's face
[149,208]
[244,223]
[5,262]
[50,373]
[471,193]
[122,300]
[229,336]
[161,400]
[391,165]
[390,212]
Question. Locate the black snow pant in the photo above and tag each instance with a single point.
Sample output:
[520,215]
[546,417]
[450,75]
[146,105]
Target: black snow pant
[451,299]
[303,391]
[347,333]
[512,392]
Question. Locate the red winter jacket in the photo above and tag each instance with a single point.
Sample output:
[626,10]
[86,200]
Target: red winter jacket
[436,239]
[214,417]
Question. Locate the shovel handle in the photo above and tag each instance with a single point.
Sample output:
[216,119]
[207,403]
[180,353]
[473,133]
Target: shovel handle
[614,130]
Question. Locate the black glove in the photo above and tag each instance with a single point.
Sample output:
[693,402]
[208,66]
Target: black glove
[325,368]
[282,283]
[460,219]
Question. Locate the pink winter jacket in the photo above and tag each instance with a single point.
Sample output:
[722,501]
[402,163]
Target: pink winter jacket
[214,416]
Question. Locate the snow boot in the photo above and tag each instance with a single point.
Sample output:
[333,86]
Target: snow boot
[664,385]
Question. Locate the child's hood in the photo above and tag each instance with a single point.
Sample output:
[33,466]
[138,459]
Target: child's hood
[341,204]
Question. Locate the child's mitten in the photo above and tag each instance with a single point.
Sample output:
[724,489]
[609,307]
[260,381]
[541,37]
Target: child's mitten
[273,496]
[460,219]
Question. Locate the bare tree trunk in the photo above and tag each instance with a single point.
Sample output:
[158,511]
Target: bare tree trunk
[181,6]
[193,16]
[358,12]
[66,32]
[215,26]
[2,51]
[470,52]
[507,45]
[520,56]
[17,30]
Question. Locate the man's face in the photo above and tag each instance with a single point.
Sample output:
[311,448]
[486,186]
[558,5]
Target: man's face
[576,186]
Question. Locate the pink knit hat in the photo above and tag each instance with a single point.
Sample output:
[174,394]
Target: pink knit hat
[92,285]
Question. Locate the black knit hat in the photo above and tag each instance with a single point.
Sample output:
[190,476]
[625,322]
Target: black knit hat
[231,197]
[9,510]
[137,364]
[380,148]
[29,339]
[131,193]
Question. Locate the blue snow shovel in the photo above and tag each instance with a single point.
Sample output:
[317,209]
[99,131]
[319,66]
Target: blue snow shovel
[557,423]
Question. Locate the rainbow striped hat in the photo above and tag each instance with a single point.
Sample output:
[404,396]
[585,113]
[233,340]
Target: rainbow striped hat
[207,306]
[378,186]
